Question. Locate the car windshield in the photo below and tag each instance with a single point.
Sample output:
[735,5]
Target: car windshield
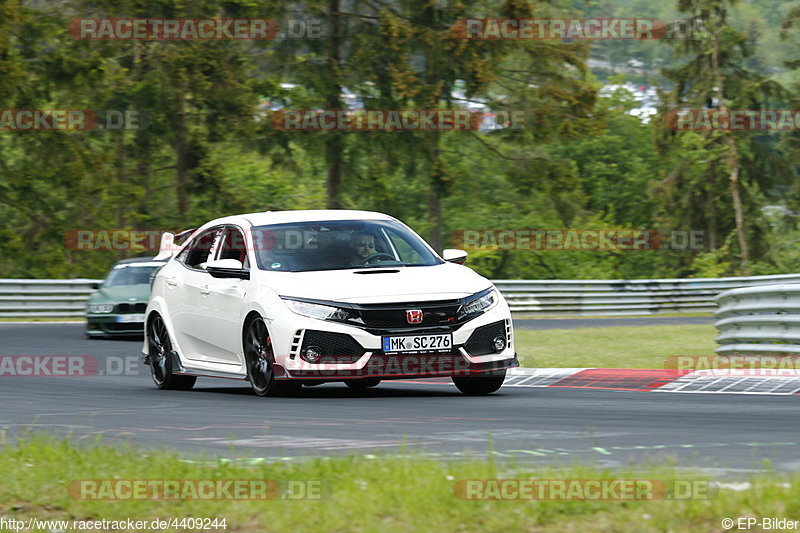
[129,275]
[341,244]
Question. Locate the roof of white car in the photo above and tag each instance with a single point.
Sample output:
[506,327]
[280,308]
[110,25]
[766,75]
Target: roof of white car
[303,215]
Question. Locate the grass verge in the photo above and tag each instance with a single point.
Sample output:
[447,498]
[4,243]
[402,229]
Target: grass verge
[361,494]
[614,347]
[581,317]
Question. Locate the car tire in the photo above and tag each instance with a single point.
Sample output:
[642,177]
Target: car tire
[259,358]
[479,386]
[159,349]
[363,383]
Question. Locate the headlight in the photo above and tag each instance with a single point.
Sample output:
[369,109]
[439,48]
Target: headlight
[101,308]
[323,312]
[481,304]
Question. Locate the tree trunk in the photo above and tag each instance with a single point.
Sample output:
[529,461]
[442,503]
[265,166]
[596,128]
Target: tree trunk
[733,181]
[435,217]
[712,222]
[143,173]
[181,161]
[333,161]
[436,189]
[120,160]
[732,161]
[334,146]
[433,140]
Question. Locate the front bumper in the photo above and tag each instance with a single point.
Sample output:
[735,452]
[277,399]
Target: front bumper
[109,324]
[399,367]
[356,352]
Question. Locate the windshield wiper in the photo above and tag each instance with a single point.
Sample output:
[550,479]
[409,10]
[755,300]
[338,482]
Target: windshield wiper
[385,264]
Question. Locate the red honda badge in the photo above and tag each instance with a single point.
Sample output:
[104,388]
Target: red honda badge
[414,316]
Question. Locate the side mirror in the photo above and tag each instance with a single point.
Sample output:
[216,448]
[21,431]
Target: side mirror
[227,268]
[95,285]
[167,248]
[452,255]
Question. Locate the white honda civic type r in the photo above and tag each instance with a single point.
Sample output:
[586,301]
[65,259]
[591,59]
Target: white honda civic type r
[291,298]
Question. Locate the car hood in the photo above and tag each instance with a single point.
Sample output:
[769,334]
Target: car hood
[378,285]
[121,293]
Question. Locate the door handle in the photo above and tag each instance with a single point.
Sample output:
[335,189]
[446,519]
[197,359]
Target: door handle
[172,282]
[204,290]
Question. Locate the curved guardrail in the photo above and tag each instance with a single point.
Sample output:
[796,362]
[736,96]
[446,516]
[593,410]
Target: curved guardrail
[624,297]
[759,320]
[22,298]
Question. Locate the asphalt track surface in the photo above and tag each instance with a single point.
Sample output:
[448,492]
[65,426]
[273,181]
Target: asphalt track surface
[727,435]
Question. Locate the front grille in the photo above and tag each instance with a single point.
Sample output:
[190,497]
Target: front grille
[137,327]
[130,308]
[434,314]
[416,364]
[422,353]
[480,342]
[335,347]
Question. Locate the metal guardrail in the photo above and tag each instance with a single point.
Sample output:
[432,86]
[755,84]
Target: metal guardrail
[759,320]
[22,298]
[624,297]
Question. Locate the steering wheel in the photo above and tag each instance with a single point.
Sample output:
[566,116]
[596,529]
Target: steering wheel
[369,259]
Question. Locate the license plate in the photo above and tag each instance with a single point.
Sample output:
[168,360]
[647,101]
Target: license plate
[138,317]
[418,343]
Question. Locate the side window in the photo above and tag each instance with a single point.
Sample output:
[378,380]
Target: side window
[197,252]
[232,246]
[407,253]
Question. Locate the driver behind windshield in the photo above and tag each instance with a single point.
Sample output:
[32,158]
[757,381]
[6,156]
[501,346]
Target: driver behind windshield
[363,246]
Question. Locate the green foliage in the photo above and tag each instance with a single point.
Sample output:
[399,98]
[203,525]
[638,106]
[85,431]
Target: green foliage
[207,149]
[713,264]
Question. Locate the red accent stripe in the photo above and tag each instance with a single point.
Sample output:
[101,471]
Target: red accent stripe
[620,379]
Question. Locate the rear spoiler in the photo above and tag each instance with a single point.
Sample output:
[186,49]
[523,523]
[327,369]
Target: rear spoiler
[170,243]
